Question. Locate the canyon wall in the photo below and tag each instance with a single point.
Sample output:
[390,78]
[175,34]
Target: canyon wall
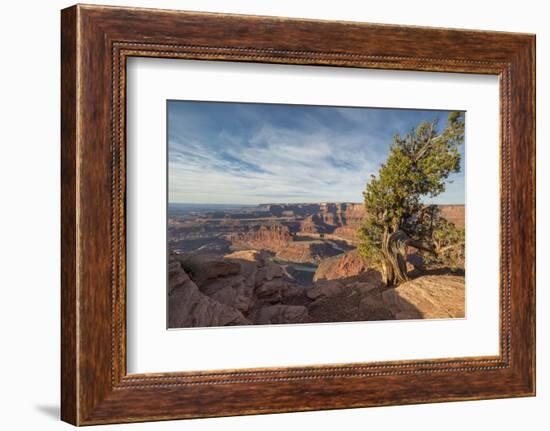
[303,233]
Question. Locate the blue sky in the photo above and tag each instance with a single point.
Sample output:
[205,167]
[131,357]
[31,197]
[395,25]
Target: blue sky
[240,153]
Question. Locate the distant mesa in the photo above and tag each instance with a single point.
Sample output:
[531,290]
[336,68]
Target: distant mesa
[308,232]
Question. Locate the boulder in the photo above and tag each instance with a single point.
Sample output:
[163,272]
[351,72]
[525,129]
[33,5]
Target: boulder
[427,297]
[243,303]
[204,267]
[176,275]
[369,281]
[364,288]
[267,272]
[280,313]
[211,286]
[372,307]
[295,291]
[226,295]
[325,288]
[272,290]
[189,307]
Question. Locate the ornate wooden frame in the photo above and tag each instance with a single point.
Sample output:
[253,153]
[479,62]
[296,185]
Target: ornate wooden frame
[95,42]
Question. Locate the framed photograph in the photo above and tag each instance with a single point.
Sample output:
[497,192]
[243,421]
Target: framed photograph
[323,214]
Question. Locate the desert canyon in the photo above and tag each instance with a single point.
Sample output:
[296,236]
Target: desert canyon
[293,263]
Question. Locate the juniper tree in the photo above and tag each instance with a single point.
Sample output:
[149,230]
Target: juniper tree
[418,166]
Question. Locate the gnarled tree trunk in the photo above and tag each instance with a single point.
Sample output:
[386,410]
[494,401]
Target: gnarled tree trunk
[394,252]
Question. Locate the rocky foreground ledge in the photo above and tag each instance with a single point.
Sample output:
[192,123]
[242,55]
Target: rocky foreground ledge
[246,287]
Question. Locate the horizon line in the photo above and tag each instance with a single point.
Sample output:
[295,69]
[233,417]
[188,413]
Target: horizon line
[288,203]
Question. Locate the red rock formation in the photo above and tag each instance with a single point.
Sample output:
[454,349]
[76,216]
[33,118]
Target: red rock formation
[453,214]
[313,224]
[324,288]
[343,220]
[241,288]
[278,240]
[273,237]
[262,293]
[203,267]
[273,227]
[188,307]
[427,297]
[279,313]
[345,265]
[340,219]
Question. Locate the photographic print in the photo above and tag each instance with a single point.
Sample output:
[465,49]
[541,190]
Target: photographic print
[282,212]
[293,214]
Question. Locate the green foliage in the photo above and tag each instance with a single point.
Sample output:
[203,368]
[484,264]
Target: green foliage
[418,166]
[448,243]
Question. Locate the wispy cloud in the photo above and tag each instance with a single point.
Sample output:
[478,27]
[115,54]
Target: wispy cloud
[252,153]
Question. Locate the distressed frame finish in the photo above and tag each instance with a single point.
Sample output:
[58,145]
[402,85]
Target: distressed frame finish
[96,41]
